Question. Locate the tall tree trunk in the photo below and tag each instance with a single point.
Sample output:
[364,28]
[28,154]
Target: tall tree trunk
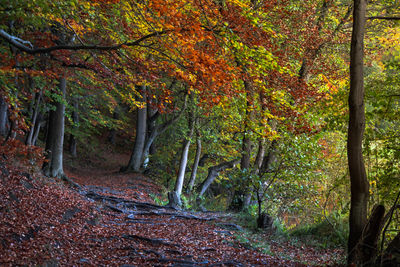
[3,117]
[358,178]
[195,164]
[137,154]
[54,168]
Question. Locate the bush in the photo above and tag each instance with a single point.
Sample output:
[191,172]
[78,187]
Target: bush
[329,232]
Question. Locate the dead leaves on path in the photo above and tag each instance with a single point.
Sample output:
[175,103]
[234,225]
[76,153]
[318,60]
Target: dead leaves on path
[44,222]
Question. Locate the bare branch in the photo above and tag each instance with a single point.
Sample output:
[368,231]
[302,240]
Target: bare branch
[27,47]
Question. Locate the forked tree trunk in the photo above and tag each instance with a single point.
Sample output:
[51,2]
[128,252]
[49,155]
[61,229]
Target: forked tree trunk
[358,178]
[54,167]
[137,154]
[155,130]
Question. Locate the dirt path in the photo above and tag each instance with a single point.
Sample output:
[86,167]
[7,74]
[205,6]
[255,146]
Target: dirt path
[146,234]
[112,221]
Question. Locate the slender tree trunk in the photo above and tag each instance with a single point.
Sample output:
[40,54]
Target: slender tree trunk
[182,167]
[184,157]
[137,154]
[358,178]
[54,168]
[35,112]
[39,124]
[195,165]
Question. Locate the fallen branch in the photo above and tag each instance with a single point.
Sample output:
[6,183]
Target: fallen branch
[145,208]
[154,241]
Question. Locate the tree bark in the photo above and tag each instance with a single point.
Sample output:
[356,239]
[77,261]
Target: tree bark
[137,154]
[358,178]
[54,168]
[213,173]
[195,164]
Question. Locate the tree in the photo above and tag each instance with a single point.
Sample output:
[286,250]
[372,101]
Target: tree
[55,139]
[358,179]
[141,128]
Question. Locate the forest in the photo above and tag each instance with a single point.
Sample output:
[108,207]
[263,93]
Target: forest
[199,133]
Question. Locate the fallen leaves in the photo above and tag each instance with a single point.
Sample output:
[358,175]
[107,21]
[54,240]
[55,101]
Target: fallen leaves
[44,222]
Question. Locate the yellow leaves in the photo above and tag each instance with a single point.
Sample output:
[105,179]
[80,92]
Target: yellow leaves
[239,3]
[332,89]
[390,38]
[372,186]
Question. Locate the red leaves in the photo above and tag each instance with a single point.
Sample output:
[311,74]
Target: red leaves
[44,221]
[29,155]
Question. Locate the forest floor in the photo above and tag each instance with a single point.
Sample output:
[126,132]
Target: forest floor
[110,219]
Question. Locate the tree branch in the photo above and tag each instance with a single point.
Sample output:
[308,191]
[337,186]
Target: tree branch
[27,46]
[383,17]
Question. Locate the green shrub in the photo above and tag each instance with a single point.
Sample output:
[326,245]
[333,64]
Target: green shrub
[329,232]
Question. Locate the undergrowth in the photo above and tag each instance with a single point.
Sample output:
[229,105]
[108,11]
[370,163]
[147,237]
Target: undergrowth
[329,232]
